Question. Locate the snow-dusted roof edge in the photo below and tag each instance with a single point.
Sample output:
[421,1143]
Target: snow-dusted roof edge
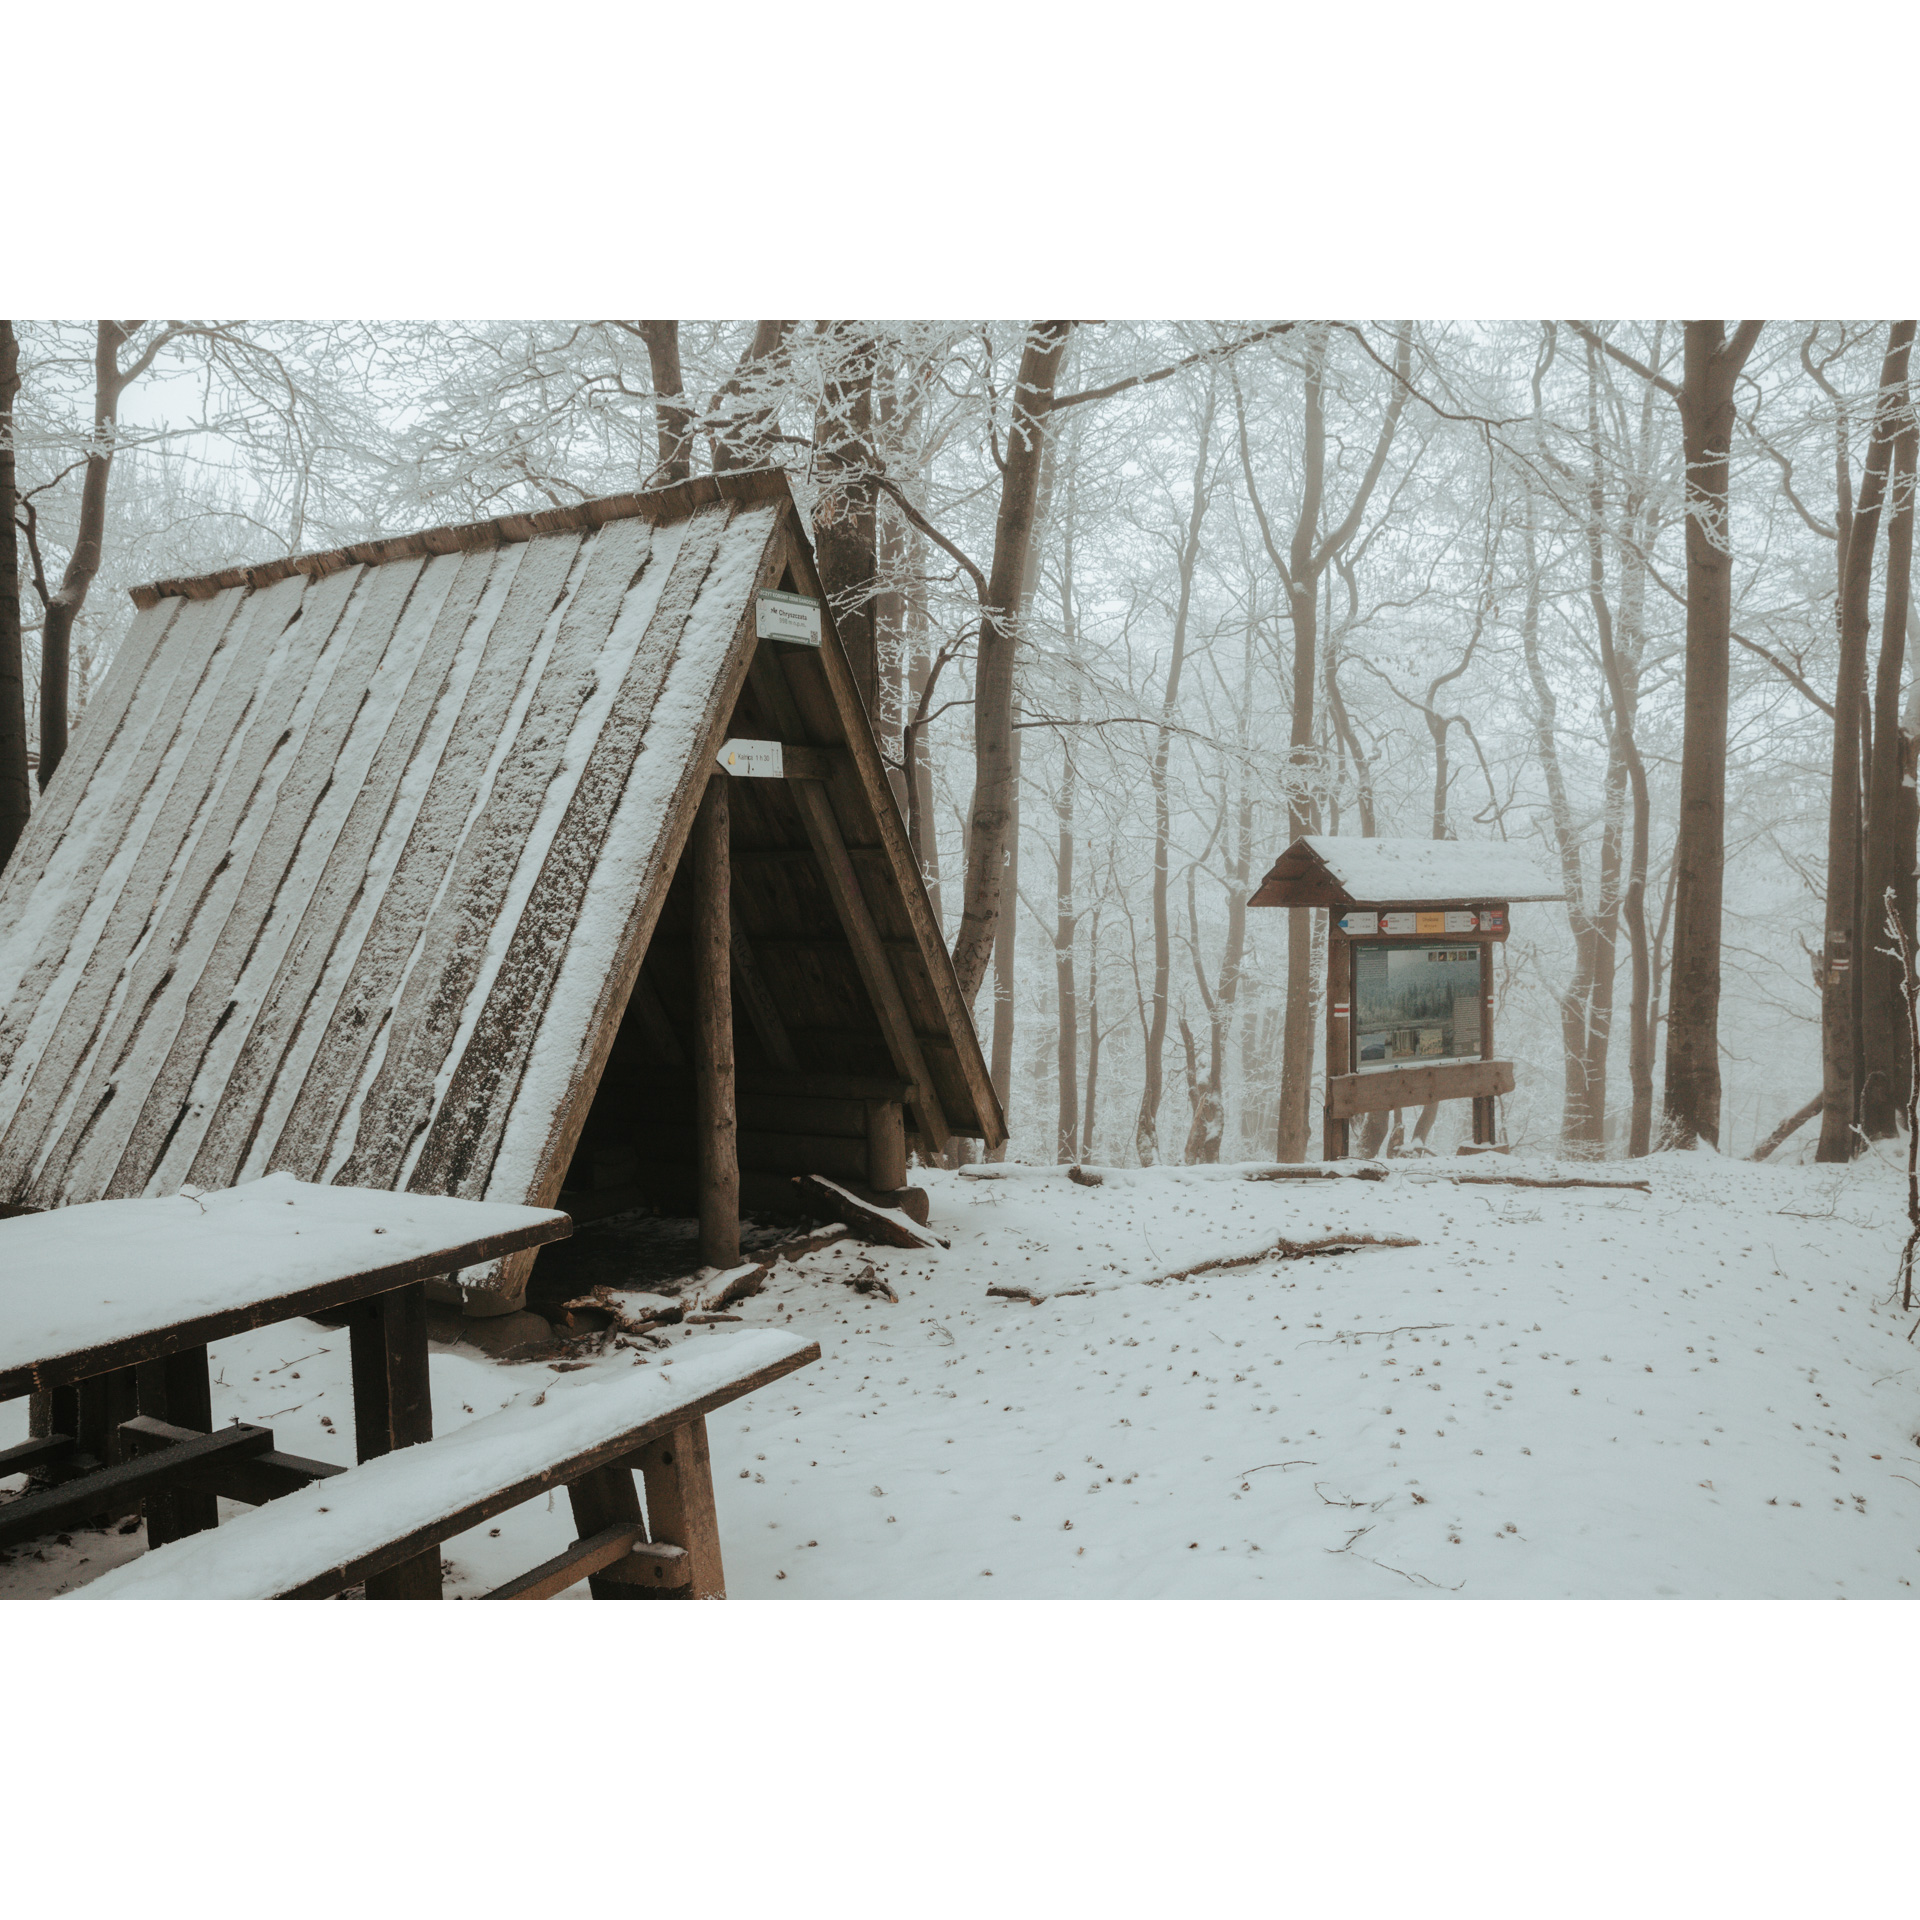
[661,505]
[1435,868]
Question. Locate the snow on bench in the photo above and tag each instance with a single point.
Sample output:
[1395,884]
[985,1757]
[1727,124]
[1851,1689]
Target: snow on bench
[77,1280]
[333,1534]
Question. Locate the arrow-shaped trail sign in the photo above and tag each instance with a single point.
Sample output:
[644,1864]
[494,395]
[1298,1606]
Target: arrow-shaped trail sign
[752,759]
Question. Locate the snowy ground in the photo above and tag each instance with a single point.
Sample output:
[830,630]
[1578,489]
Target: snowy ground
[1703,1391]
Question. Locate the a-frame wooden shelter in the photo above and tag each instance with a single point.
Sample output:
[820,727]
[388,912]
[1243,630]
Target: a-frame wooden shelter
[368,865]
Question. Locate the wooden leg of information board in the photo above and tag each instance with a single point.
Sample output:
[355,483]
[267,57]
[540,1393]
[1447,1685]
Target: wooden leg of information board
[1333,1145]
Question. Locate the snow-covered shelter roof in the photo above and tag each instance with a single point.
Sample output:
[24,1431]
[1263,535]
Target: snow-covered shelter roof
[355,859]
[1329,870]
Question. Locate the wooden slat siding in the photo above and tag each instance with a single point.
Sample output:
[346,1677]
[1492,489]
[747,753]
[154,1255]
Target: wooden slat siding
[79,867]
[320,795]
[349,985]
[246,1089]
[433,843]
[463,1141]
[891,832]
[257,752]
[193,747]
[755,527]
[454,942]
[99,727]
[104,901]
[335,746]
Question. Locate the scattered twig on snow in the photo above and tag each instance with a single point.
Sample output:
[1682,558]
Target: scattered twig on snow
[1376,1333]
[1366,1170]
[1359,1534]
[1245,1472]
[1372,1506]
[1288,1250]
[1405,1575]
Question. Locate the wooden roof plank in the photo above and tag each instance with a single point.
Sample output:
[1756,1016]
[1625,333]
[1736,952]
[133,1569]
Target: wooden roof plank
[355,1020]
[39,1141]
[461,1147]
[325,1115]
[428,1023]
[98,728]
[200,892]
[628,888]
[45,941]
[344,728]
[243,1099]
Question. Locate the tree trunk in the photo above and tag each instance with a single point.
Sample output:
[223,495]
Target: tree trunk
[1093,1040]
[739,421]
[1839,1030]
[63,608]
[1890,827]
[1146,1130]
[1066,1130]
[16,797]
[1713,361]
[673,417]
[991,814]
[1000,1061]
[845,513]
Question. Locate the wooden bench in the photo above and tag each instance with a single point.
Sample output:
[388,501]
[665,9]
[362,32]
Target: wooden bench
[588,1433]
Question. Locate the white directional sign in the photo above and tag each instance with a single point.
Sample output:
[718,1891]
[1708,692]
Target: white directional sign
[787,616]
[752,759]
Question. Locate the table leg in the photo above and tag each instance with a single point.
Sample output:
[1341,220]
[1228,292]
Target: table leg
[680,1509]
[392,1407]
[607,1498]
[179,1390]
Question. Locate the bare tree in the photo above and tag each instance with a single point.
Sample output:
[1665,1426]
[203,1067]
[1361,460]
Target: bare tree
[16,798]
[1309,554]
[1839,1026]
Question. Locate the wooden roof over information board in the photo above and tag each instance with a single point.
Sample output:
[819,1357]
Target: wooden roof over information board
[1341,870]
[354,859]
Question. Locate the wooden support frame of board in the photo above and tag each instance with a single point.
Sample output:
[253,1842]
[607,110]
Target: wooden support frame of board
[1351,1093]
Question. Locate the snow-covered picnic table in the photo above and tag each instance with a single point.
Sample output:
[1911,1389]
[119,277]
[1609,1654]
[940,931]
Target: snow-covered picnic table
[109,1307]
[85,1290]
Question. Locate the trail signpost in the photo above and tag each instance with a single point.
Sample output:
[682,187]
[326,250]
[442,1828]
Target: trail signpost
[1413,925]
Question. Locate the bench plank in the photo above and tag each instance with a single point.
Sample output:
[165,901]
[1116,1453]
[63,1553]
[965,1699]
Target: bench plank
[334,1535]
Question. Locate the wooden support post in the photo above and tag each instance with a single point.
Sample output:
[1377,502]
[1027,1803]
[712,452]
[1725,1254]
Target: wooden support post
[886,1145]
[179,1391]
[607,1498]
[1340,1060]
[680,1509]
[716,1123]
[392,1408]
[1486,1125]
